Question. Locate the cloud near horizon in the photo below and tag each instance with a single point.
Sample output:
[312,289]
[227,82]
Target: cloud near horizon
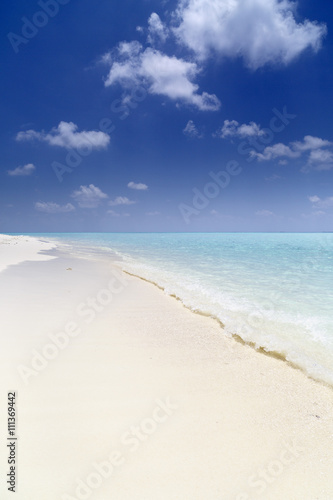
[116,214]
[321,203]
[89,196]
[264,213]
[53,208]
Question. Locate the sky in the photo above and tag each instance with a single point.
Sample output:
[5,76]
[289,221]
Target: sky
[179,115]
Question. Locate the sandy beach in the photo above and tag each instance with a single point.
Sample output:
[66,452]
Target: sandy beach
[122,392]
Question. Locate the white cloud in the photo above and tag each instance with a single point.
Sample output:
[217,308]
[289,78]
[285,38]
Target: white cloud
[160,73]
[231,128]
[129,49]
[89,196]
[319,203]
[22,171]
[152,214]
[53,208]
[275,151]
[259,31]
[139,186]
[322,158]
[157,31]
[121,200]
[65,135]
[116,214]
[310,143]
[314,199]
[191,130]
[264,213]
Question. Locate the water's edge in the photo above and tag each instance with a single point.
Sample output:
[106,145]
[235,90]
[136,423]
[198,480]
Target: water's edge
[235,336]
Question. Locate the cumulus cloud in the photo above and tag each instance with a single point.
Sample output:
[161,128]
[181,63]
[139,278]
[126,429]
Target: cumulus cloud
[66,135]
[320,159]
[139,186]
[160,74]
[53,208]
[121,200]
[89,196]
[319,203]
[231,128]
[191,130]
[157,31]
[272,152]
[259,31]
[310,143]
[22,171]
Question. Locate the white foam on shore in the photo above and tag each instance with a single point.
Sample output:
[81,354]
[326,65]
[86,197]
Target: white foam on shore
[17,249]
[292,339]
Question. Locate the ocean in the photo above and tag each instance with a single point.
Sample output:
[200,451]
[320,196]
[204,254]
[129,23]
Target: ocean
[274,290]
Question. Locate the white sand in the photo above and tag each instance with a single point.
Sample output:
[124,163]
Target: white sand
[16,249]
[238,425]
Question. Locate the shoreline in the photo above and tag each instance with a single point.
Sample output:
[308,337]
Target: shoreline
[39,245]
[237,337]
[216,419]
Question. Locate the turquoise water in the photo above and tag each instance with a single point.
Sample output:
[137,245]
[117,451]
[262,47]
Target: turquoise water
[274,290]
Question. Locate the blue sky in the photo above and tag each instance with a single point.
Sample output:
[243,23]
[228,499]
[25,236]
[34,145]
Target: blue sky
[189,115]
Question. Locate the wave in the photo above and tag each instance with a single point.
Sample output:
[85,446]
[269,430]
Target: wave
[297,341]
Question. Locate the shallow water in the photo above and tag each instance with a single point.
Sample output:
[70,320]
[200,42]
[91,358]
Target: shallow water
[274,290]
